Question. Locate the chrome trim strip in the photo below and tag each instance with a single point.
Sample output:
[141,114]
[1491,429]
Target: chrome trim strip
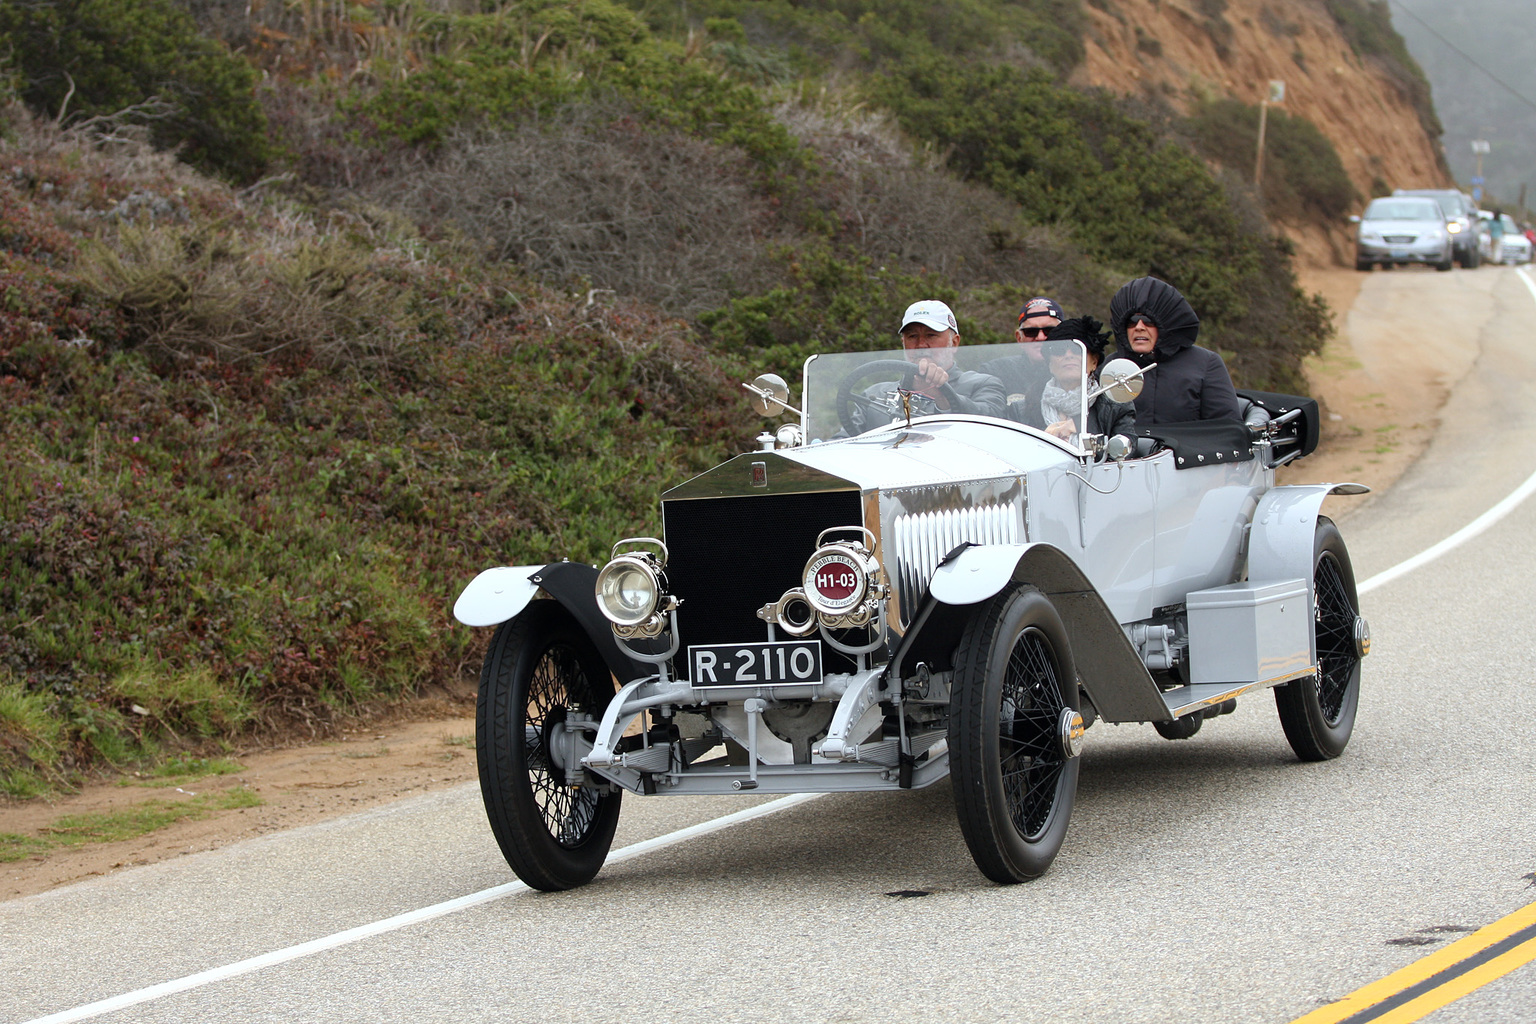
[1184,699]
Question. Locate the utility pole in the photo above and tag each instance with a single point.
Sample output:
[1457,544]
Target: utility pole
[1274,94]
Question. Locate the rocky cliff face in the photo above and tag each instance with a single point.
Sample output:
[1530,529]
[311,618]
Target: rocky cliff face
[1180,51]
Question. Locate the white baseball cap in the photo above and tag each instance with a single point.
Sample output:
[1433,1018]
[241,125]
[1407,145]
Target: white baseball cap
[931,313]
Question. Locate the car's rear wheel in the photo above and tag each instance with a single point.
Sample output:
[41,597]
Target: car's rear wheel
[540,668]
[1318,714]
[1014,733]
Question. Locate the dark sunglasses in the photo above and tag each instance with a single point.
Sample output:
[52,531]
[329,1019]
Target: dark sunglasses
[1034,332]
[1140,318]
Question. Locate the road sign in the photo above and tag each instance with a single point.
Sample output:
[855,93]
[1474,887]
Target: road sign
[1477,179]
[1477,194]
[1479,145]
[1276,91]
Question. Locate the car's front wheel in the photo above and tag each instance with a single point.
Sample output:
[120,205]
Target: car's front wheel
[1014,734]
[541,668]
[1318,714]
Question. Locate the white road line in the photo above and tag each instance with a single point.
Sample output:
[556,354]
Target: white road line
[390,924]
[1473,528]
[399,921]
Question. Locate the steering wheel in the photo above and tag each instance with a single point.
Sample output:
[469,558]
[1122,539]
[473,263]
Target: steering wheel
[848,399]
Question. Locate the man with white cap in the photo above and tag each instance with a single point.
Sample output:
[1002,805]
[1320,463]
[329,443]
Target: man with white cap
[931,337]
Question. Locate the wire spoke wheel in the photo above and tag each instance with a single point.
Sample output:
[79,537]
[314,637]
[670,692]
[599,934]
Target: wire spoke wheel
[1029,751]
[568,813]
[1318,714]
[1334,619]
[1014,782]
[540,670]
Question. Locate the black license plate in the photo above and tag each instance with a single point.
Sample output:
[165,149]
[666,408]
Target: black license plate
[762,664]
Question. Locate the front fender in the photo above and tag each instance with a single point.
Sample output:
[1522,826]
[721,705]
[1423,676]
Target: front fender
[1281,539]
[1108,666]
[497,595]
[502,593]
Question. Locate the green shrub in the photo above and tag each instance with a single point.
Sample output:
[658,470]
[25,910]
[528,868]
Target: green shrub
[94,58]
[871,35]
[1303,176]
[1129,197]
[531,57]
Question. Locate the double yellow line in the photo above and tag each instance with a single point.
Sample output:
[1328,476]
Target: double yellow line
[1440,978]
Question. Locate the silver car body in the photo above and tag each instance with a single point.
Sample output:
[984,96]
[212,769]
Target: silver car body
[1404,229]
[1516,248]
[1158,564]
[1461,220]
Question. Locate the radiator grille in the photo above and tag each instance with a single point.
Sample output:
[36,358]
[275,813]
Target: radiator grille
[730,556]
[922,539]
[1399,239]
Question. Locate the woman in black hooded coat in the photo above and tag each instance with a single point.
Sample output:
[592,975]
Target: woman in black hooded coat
[1189,383]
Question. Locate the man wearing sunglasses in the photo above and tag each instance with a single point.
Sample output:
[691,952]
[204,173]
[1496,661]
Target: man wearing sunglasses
[1022,372]
[1153,323]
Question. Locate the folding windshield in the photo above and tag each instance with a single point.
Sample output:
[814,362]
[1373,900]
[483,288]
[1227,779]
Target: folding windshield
[1039,384]
[1403,209]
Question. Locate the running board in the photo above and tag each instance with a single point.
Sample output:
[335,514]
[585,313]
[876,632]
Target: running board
[1185,699]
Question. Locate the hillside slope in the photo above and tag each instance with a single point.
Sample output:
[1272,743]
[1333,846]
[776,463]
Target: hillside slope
[1183,51]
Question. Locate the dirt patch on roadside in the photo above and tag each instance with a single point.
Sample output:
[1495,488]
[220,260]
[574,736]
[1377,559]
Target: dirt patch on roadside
[420,747]
[1373,397]
[1377,398]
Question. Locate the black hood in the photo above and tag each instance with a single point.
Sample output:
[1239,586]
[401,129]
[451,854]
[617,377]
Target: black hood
[1177,324]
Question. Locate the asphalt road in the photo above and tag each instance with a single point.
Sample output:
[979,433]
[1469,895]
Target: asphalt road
[1215,879]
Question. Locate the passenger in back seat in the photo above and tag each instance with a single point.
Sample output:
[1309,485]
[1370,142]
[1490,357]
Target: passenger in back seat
[1153,323]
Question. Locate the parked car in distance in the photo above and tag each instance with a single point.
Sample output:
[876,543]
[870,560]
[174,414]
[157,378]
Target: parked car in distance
[1403,229]
[1460,218]
[1517,247]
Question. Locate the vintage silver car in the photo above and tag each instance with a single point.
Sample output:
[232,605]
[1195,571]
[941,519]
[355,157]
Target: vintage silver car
[941,595]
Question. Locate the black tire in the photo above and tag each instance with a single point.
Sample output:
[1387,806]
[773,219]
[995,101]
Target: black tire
[1364,266]
[1446,265]
[1471,259]
[1014,783]
[540,666]
[1318,715]
[1181,728]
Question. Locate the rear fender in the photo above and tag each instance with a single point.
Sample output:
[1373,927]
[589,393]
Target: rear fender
[503,593]
[1281,539]
[1109,668]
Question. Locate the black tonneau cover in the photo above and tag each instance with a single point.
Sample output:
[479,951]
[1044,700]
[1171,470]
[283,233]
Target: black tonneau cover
[1204,442]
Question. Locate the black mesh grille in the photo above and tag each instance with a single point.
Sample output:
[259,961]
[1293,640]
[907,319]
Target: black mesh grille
[730,556]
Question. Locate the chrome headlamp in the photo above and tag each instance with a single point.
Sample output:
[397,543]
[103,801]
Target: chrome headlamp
[631,589]
[843,582]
